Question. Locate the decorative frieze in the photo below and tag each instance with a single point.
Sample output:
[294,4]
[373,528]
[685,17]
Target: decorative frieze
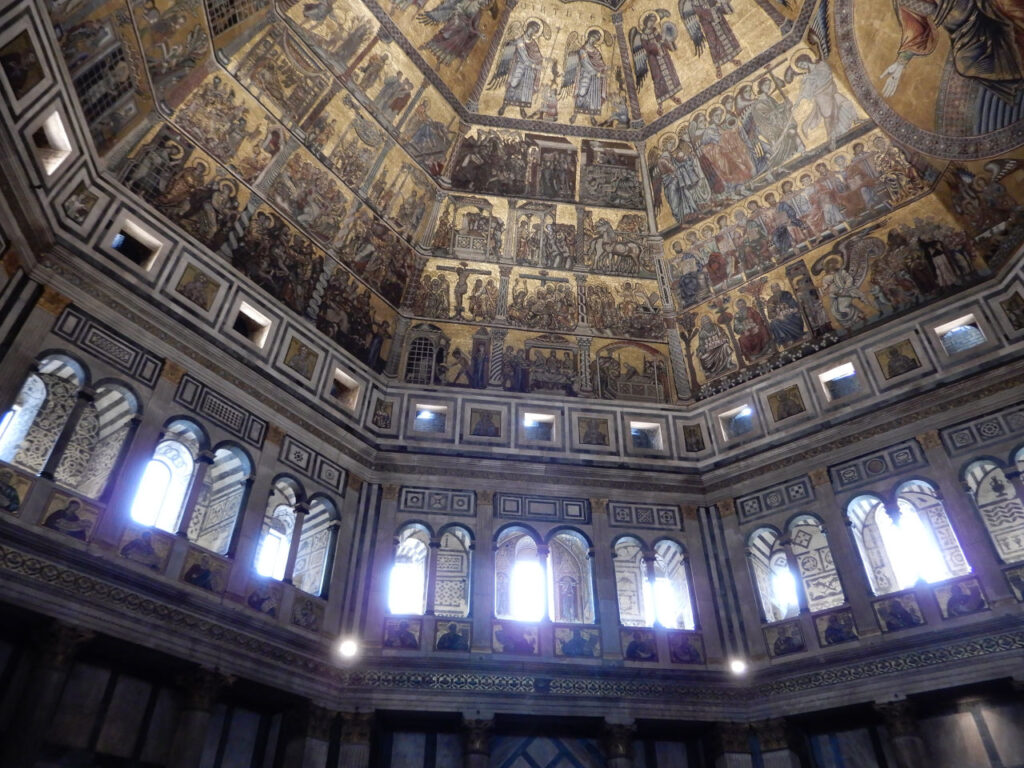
[660,517]
[312,464]
[782,497]
[548,509]
[243,424]
[972,435]
[437,501]
[889,461]
[101,341]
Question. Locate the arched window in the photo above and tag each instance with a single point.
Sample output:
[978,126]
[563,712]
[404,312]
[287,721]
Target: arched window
[30,428]
[451,592]
[773,577]
[519,587]
[102,428]
[570,584]
[818,574]
[316,545]
[278,527]
[407,590]
[906,542]
[630,582]
[665,599]
[1000,507]
[673,603]
[220,501]
[163,490]
[1018,459]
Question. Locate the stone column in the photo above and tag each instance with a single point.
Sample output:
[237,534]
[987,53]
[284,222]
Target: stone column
[774,739]
[504,273]
[730,744]
[355,739]
[583,344]
[203,463]
[970,530]
[301,510]
[677,358]
[856,586]
[84,398]
[397,342]
[201,688]
[310,736]
[435,549]
[543,552]
[496,365]
[476,742]
[55,648]
[618,744]
[581,301]
[900,722]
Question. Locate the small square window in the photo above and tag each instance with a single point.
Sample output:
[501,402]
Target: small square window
[430,418]
[737,422]
[539,426]
[252,324]
[51,144]
[960,335]
[344,389]
[646,435]
[841,381]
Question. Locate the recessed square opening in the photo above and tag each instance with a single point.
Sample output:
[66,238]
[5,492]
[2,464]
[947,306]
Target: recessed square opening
[252,324]
[51,144]
[136,244]
[960,335]
[737,422]
[841,381]
[430,418]
[539,426]
[344,389]
[646,435]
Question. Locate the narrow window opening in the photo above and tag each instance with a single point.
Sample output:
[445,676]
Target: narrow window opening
[51,143]
[539,426]
[251,324]
[841,381]
[960,335]
[645,435]
[344,389]
[430,418]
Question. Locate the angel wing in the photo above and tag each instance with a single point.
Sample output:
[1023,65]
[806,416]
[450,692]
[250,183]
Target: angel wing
[639,56]
[508,52]
[859,254]
[572,63]
[692,24]
[654,171]
[439,15]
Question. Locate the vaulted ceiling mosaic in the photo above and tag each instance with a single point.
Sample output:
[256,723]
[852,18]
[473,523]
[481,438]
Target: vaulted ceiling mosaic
[639,201]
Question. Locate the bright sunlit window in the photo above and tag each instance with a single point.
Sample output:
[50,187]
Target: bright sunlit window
[5,422]
[405,592]
[527,590]
[273,555]
[915,555]
[784,587]
[164,486]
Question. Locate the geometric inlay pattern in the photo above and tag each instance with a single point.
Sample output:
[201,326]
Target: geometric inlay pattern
[437,501]
[660,517]
[240,422]
[970,435]
[791,493]
[310,463]
[100,340]
[875,466]
[541,508]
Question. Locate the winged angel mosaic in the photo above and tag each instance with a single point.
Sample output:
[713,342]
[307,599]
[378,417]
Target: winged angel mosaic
[653,42]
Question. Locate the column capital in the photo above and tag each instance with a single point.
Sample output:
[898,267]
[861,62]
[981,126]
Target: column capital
[57,643]
[819,477]
[731,737]
[476,738]
[899,717]
[356,727]
[929,439]
[202,687]
[618,740]
[772,734]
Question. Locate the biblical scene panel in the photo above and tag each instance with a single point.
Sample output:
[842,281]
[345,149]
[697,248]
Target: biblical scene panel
[350,314]
[678,50]
[380,257]
[550,363]
[783,118]
[312,196]
[345,137]
[279,71]
[429,131]
[101,51]
[403,194]
[986,198]
[175,41]
[471,228]
[188,186]
[844,287]
[510,163]
[842,191]
[231,125]
[558,63]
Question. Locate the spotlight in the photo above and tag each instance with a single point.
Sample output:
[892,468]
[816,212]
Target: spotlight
[348,648]
[737,666]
